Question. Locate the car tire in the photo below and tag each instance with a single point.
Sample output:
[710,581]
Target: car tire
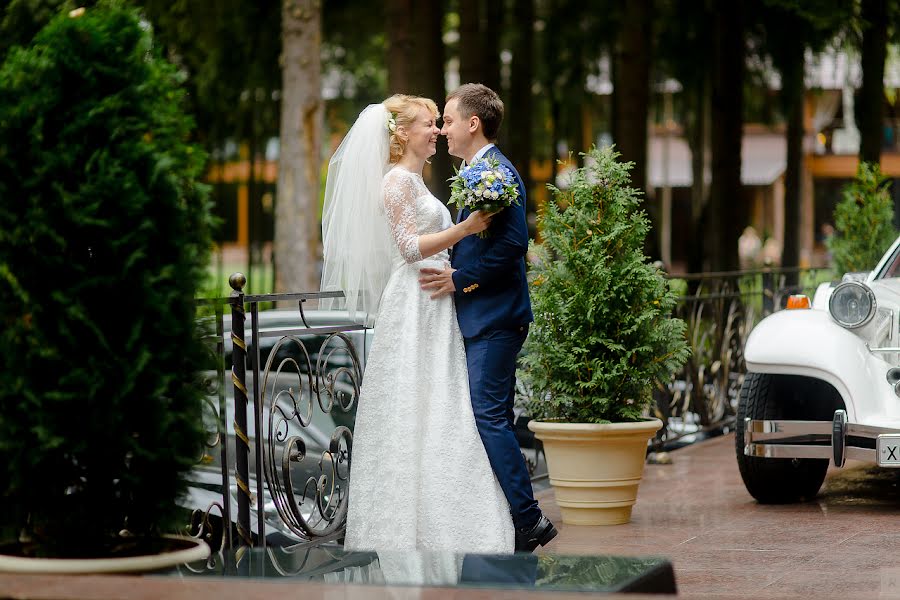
[773,480]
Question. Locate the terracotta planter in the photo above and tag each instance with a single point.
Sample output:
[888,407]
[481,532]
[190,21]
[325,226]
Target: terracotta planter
[595,469]
[195,550]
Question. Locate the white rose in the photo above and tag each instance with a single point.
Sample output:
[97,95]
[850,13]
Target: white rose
[479,193]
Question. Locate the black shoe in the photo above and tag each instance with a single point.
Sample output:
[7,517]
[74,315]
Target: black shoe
[539,535]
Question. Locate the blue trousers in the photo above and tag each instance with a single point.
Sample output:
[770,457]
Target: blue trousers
[491,359]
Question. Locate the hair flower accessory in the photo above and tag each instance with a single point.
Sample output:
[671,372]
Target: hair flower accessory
[392,122]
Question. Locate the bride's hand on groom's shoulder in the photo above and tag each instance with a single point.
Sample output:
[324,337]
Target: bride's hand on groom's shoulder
[478,221]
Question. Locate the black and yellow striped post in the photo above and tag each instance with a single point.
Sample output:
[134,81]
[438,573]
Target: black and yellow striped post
[242,442]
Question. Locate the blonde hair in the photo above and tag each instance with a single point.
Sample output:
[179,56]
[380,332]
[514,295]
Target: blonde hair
[404,109]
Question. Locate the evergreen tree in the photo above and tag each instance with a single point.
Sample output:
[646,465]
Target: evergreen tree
[104,237]
[863,222]
[602,333]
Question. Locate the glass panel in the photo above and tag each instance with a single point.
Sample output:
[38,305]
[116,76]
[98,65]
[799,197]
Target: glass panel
[545,572]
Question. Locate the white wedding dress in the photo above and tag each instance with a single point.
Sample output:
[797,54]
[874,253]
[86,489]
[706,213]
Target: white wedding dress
[420,477]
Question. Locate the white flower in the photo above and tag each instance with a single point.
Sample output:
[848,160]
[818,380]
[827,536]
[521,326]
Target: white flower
[391,123]
[494,195]
[74,14]
[479,192]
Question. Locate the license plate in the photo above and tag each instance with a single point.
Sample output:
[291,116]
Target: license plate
[887,448]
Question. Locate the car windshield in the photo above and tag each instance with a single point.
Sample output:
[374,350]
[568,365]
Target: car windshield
[892,267]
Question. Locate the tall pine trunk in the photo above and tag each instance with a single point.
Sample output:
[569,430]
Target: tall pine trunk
[400,47]
[471,64]
[428,80]
[296,223]
[631,97]
[491,33]
[792,89]
[699,139]
[870,107]
[415,52]
[727,211]
[631,87]
[519,102]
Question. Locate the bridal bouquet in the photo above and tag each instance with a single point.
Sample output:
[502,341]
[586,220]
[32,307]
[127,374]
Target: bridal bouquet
[484,185]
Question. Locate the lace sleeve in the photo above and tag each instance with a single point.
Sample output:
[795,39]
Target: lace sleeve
[400,206]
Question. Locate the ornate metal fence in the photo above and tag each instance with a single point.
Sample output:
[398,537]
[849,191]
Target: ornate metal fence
[278,459]
[720,310]
[282,422]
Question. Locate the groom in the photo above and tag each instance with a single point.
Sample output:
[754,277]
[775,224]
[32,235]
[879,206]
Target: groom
[487,279]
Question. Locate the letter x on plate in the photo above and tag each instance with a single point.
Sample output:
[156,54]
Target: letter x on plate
[887,449]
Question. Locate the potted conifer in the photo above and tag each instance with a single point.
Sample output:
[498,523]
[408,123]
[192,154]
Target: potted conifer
[602,335]
[104,236]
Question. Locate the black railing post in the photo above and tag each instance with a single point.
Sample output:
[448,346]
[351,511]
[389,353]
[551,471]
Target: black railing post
[257,426]
[768,292]
[222,426]
[239,379]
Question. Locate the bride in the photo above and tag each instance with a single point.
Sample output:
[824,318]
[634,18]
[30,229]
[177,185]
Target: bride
[420,477]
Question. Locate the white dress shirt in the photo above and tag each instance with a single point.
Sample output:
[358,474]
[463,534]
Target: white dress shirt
[480,153]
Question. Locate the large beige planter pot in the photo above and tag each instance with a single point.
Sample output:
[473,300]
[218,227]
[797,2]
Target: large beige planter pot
[194,550]
[595,470]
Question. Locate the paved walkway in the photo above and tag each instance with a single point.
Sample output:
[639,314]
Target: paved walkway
[696,512]
[846,544]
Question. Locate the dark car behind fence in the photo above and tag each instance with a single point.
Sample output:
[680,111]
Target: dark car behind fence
[281,410]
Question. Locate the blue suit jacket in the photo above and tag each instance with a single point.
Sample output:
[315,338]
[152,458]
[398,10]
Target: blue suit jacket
[491,289]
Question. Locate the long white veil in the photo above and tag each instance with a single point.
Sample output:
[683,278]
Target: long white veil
[355,237]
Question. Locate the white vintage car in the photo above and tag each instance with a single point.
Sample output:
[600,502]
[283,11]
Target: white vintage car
[823,384]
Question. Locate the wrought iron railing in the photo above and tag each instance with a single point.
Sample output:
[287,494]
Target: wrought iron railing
[720,310]
[298,383]
[291,398]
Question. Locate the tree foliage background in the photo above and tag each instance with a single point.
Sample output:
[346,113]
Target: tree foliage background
[546,58]
[864,222]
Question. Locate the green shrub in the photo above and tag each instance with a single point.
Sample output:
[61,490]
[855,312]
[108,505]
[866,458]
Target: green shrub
[104,237]
[864,222]
[603,333]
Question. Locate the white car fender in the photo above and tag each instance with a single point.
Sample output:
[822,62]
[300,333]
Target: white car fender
[810,343]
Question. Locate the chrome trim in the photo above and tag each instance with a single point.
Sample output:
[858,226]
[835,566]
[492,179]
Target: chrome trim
[873,304]
[771,428]
[795,451]
[868,431]
[786,451]
[885,350]
[861,454]
[893,374]
[774,438]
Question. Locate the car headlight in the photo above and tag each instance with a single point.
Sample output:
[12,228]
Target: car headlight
[852,304]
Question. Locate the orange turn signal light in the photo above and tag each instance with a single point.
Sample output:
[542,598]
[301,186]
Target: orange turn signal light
[797,301]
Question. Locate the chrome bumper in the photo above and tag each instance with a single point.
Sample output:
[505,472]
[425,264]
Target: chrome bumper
[837,440]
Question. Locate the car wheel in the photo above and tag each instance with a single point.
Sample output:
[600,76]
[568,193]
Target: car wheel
[773,480]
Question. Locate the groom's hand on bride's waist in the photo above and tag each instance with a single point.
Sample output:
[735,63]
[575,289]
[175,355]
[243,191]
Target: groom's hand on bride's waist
[438,282]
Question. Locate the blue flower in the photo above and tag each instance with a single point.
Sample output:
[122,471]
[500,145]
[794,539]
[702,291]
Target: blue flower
[485,184]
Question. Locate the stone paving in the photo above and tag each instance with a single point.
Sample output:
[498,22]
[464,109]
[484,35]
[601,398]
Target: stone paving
[696,512]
